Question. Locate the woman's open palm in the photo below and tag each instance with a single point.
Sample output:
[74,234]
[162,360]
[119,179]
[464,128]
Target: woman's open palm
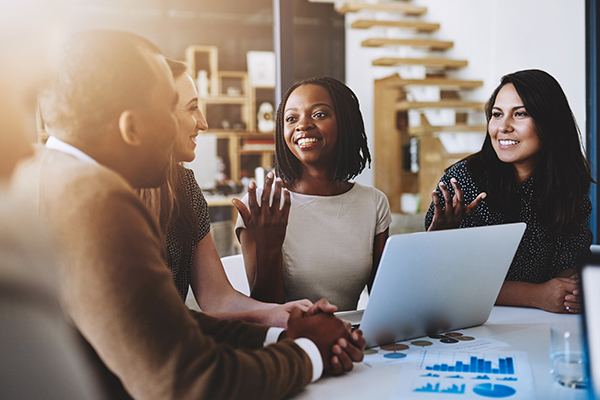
[453,211]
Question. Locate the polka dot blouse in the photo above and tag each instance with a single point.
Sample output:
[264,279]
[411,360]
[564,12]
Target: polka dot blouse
[538,258]
[180,267]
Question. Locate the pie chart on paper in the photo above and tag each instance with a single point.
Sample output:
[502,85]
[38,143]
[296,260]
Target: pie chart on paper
[494,391]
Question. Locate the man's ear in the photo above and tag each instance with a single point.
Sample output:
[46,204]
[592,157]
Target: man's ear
[129,128]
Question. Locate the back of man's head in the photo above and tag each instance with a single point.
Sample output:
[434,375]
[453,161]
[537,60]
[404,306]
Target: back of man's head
[101,73]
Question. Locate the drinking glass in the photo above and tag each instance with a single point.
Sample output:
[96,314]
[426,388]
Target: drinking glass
[567,359]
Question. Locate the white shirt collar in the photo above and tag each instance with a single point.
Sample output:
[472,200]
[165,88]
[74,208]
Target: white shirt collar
[57,144]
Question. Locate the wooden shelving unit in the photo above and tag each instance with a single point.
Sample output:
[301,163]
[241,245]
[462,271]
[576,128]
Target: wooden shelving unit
[204,58]
[393,135]
[232,92]
[390,176]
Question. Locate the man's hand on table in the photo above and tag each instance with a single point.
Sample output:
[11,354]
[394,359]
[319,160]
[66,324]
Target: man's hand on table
[338,346]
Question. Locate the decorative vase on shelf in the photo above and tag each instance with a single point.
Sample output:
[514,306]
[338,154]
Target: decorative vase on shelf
[202,83]
[266,121]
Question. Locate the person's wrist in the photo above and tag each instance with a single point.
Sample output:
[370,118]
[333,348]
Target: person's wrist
[534,295]
[269,250]
[282,336]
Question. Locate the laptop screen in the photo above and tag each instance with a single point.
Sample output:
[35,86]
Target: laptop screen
[590,278]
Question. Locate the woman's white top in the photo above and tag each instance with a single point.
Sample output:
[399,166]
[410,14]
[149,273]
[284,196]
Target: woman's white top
[328,247]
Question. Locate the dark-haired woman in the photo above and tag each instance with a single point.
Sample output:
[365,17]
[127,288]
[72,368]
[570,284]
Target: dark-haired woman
[322,235]
[181,209]
[531,169]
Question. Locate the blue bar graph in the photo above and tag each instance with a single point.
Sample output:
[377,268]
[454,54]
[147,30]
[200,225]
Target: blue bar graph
[505,366]
[429,388]
[454,389]
[510,367]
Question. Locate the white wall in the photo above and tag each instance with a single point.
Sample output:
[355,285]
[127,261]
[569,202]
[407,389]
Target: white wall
[496,37]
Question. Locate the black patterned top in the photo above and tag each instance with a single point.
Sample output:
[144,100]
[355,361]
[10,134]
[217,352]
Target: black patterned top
[180,267]
[538,258]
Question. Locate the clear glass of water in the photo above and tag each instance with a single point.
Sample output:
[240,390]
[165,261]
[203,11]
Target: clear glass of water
[567,360]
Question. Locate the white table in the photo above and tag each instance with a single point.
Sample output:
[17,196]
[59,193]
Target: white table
[524,329]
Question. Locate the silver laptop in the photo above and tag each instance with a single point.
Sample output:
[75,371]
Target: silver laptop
[432,282]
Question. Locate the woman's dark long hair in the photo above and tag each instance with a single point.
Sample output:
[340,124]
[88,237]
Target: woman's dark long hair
[169,203]
[352,150]
[563,172]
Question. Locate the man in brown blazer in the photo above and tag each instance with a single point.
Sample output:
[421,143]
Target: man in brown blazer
[110,111]
[41,356]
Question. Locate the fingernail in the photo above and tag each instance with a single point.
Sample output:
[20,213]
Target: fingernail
[343,343]
[576,292]
[337,350]
[453,180]
[442,184]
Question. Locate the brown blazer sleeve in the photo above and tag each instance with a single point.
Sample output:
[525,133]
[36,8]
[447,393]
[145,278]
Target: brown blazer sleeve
[119,294]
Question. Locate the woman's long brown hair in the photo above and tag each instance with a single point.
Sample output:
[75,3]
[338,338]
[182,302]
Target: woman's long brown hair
[169,203]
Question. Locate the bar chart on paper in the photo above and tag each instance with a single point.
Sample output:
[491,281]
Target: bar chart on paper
[474,364]
[465,375]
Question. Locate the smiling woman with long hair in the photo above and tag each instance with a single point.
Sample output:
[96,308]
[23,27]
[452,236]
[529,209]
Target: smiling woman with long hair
[182,212]
[531,169]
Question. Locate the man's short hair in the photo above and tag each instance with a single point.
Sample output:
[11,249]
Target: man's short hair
[177,67]
[101,74]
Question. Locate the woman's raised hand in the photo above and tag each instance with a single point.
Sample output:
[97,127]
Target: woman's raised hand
[267,222]
[450,215]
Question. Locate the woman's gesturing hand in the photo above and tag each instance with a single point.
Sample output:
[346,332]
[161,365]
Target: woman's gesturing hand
[267,222]
[449,215]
